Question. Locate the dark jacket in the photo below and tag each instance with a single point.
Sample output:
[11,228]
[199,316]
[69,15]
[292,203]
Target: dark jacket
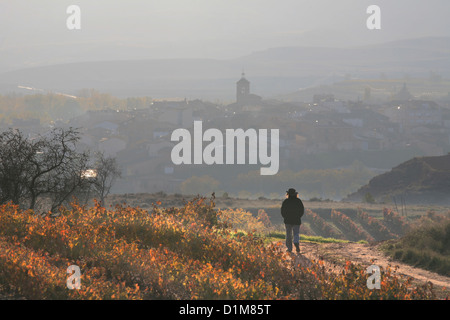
[292,210]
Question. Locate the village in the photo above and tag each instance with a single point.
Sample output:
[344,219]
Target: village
[324,128]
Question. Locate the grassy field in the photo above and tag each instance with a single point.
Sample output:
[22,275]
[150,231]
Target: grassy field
[278,235]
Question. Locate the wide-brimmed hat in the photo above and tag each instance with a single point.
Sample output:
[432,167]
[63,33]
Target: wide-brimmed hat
[292,191]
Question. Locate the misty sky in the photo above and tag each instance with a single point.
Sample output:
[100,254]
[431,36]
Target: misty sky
[35,33]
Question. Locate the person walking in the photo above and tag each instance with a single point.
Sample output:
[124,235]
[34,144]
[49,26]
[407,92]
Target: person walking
[292,210]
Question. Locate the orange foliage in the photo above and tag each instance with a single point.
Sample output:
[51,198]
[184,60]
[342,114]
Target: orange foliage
[165,253]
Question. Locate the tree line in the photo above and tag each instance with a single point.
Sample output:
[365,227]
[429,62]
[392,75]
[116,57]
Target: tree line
[53,106]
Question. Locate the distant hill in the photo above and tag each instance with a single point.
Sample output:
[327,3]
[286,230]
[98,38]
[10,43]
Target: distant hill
[411,56]
[421,180]
[272,72]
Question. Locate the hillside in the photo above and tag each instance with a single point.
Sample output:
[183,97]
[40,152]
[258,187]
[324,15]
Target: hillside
[273,71]
[419,180]
[186,253]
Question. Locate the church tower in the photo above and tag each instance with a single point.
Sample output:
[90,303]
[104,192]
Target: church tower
[242,90]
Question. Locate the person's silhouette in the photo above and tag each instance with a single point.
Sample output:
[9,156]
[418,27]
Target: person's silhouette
[292,211]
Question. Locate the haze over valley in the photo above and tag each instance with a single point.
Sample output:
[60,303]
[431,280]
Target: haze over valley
[350,103]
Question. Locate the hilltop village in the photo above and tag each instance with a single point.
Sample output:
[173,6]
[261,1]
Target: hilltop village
[326,127]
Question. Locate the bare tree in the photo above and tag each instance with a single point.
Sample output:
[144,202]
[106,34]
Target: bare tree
[105,174]
[47,167]
[16,153]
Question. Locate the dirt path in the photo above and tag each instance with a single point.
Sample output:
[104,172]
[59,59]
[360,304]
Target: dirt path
[335,255]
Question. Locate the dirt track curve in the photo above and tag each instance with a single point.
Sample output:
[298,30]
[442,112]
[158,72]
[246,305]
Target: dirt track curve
[336,254]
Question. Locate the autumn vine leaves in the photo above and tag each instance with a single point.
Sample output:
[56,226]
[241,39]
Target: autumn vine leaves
[191,252]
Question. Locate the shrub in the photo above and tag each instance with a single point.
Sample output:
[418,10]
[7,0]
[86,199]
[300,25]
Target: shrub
[167,253]
[244,220]
[396,223]
[368,198]
[425,246]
